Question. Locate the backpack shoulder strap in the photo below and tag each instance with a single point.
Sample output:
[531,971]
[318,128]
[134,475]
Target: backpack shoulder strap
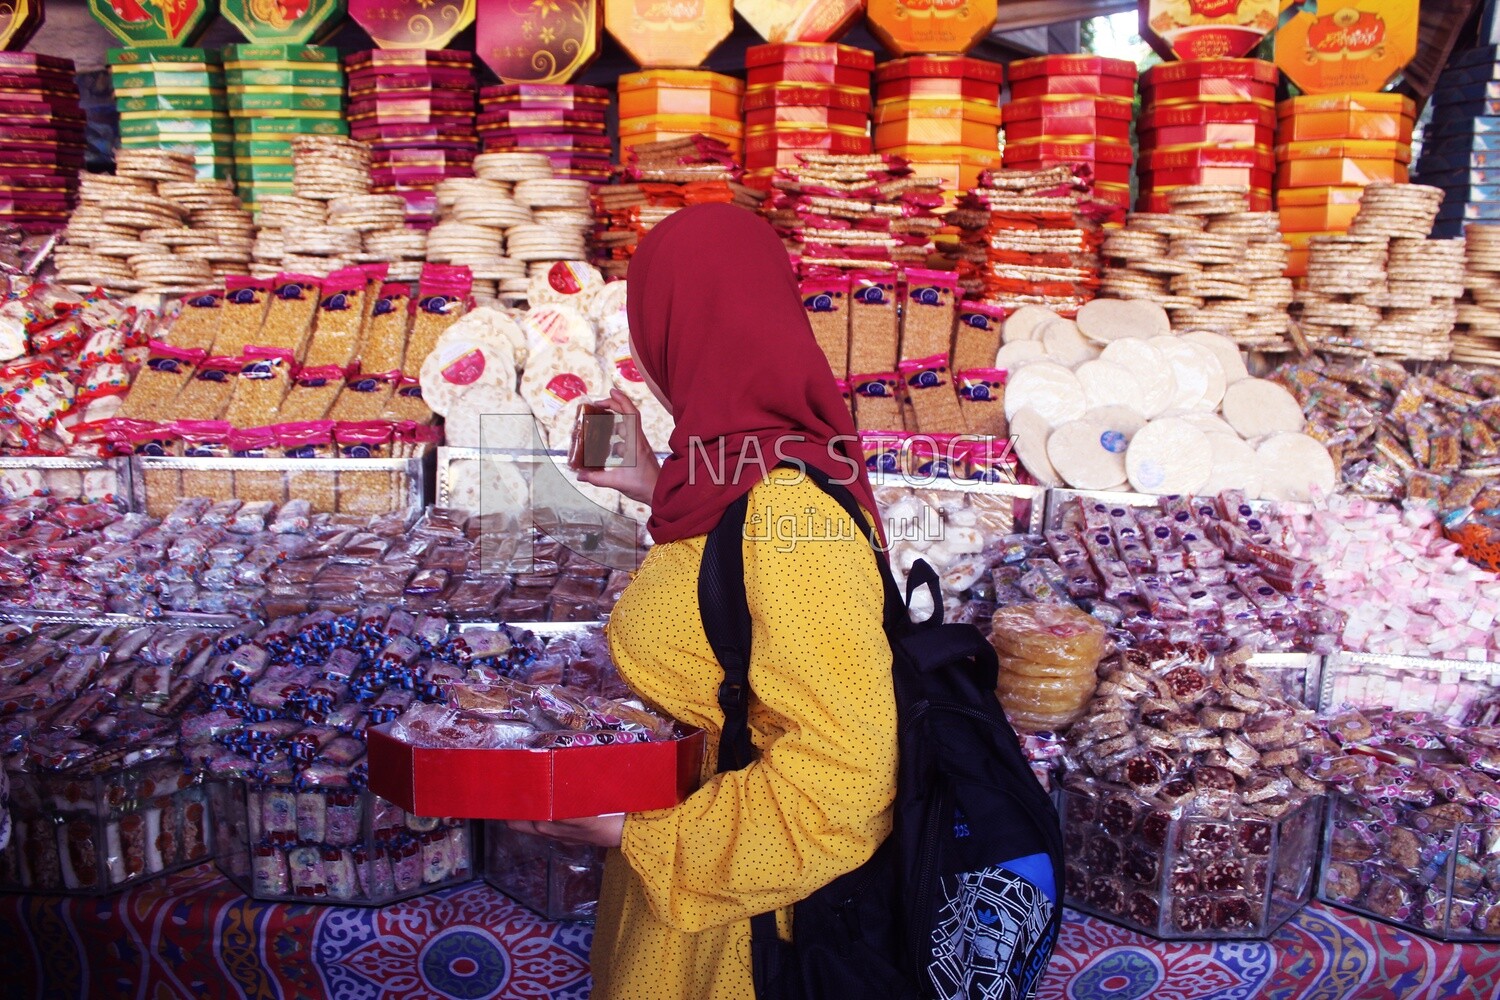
[726,622]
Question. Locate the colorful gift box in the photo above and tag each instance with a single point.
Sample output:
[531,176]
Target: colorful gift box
[679,92]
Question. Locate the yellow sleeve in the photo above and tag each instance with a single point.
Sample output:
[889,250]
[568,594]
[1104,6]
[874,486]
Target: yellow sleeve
[816,802]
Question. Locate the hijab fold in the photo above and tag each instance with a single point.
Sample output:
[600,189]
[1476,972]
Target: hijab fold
[716,321]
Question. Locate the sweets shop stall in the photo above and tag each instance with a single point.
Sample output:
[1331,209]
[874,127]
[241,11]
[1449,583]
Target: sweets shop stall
[1182,375]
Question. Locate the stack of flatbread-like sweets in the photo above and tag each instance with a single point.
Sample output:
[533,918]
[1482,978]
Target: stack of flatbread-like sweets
[1476,337]
[1029,238]
[658,179]
[855,212]
[1117,400]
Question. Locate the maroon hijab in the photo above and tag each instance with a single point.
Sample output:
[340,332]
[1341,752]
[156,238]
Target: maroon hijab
[717,323]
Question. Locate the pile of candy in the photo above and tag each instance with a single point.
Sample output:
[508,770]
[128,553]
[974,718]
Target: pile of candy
[65,363]
[1395,435]
[86,722]
[1199,571]
[1419,803]
[259,559]
[1405,589]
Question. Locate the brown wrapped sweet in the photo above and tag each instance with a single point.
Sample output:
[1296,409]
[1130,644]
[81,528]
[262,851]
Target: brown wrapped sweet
[1049,654]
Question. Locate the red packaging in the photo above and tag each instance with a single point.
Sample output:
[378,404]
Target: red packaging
[949,67]
[810,52]
[807,116]
[1210,89]
[1067,106]
[1070,65]
[1083,86]
[831,142]
[1067,130]
[364,439]
[1257,70]
[1250,157]
[1175,115]
[946,87]
[1103,173]
[527,784]
[811,95]
[376,80]
[252,442]
[1096,151]
[526,93]
[804,72]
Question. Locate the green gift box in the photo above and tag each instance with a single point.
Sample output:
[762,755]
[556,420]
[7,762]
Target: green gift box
[256,127]
[147,100]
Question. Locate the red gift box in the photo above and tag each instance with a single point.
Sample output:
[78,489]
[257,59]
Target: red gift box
[1069,106]
[1070,65]
[1201,69]
[826,53]
[1067,129]
[1208,89]
[1209,114]
[1212,134]
[534,784]
[1103,173]
[807,95]
[1081,86]
[807,72]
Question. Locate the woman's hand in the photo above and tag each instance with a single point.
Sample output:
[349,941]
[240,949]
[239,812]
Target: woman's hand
[596,831]
[636,480]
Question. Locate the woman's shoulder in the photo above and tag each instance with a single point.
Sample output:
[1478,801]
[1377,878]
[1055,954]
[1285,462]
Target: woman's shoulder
[784,486]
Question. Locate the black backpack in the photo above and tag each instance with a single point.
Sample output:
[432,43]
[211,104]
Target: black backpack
[933,914]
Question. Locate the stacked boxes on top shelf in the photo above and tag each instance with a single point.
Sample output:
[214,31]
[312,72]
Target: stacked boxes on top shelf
[173,98]
[804,97]
[1073,110]
[941,114]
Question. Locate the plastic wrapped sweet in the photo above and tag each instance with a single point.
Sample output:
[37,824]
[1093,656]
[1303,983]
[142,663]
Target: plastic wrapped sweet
[559,881]
[1048,655]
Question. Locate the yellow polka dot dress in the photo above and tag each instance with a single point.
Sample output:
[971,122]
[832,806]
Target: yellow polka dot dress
[673,919]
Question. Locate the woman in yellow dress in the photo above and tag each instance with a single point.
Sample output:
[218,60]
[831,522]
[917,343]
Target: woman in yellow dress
[719,332]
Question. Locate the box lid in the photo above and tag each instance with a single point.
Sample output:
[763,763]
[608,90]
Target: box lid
[1250,158]
[813,52]
[1209,114]
[1071,65]
[982,112]
[1069,106]
[1102,150]
[813,95]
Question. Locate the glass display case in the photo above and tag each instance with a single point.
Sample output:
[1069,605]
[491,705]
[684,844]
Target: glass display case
[559,881]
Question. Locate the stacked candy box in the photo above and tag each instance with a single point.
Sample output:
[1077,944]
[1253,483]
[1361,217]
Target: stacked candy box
[42,124]
[564,122]
[1461,147]
[940,114]
[1186,104]
[1073,110]
[664,104]
[416,111]
[805,97]
[174,98]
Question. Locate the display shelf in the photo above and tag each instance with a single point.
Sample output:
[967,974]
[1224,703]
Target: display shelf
[69,476]
[1405,683]
[1029,504]
[332,485]
[12,613]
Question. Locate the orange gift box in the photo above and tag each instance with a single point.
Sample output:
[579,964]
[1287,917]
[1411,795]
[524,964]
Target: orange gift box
[804,117]
[954,175]
[1348,45]
[912,26]
[524,784]
[679,92]
[666,33]
[808,21]
[810,95]
[1068,130]
[981,112]
[1324,125]
[723,127]
[1340,171]
[1365,149]
[1398,104]
[971,156]
[1315,218]
[943,132]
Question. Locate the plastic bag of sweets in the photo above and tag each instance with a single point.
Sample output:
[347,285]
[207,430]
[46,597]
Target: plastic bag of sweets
[248,485]
[208,392]
[443,296]
[243,313]
[263,382]
[339,320]
[311,440]
[384,346]
[407,404]
[160,381]
[363,397]
[289,317]
[312,394]
[197,326]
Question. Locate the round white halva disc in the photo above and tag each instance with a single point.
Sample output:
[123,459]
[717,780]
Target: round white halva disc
[1150,367]
[1126,420]
[1018,353]
[1295,467]
[1228,353]
[1048,388]
[1256,407]
[1236,467]
[1065,344]
[1189,372]
[1108,384]
[1106,320]
[1024,323]
[1211,367]
[1208,423]
[489,416]
[1089,455]
[1030,432]
[1169,456]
